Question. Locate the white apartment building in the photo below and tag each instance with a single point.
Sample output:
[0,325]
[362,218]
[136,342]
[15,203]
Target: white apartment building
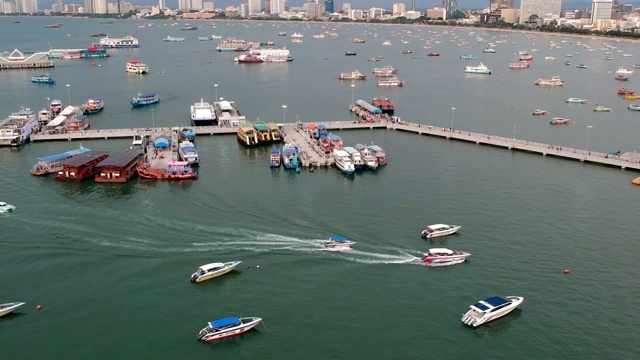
[277,6]
[399,9]
[540,8]
[601,10]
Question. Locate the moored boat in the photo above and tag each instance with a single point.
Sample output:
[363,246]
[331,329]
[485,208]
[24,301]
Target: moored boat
[489,51]
[379,153]
[581,66]
[335,142]
[370,161]
[16,129]
[338,242]
[621,77]
[623,91]
[384,104]
[143,99]
[209,271]
[354,75]
[55,106]
[93,106]
[432,54]
[343,161]
[525,58]
[43,79]
[356,157]
[576,101]
[636,181]
[170,38]
[276,133]
[477,69]
[10,307]
[633,107]
[231,44]
[391,81]
[444,257]
[519,65]
[227,327]
[247,134]
[632,97]
[601,109]
[136,67]
[188,152]
[490,309]
[438,230]
[290,156]
[117,43]
[468,57]
[77,123]
[175,170]
[624,71]
[274,158]
[553,81]
[264,133]
[202,114]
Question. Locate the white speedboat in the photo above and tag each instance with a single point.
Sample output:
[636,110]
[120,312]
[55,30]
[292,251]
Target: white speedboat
[633,107]
[437,230]
[444,257]
[209,271]
[490,309]
[188,153]
[4,207]
[338,242]
[477,69]
[576,101]
[10,307]
[624,71]
[343,161]
[227,327]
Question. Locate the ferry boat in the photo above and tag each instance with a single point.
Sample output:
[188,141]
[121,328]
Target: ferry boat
[143,99]
[379,153]
[576,101]
[519,65]
[624,71]
[55,106]
[490,309]
[477,69]
[468,57]
[264,133]
[231,44]
[203,114]
[265,55]
[136,67]
[602,109]
[335,142]
[356,157]
[65,54]
[553,81]
[274,158]
[392,81]
[370,160]
[93,106]
[297,35]
[343,161]
[43,79]
[210,271]
[176,170]
[290,156]
[384,104]
[170,38]
[117,43]
[13,306]
[439,230]
[53,163]
[77,123]
[227,327]
[338,242]
[94,52]
[247,134]
[187,151]
[276,134]
[444,257]
[354,75]
[559,121]
[16,129]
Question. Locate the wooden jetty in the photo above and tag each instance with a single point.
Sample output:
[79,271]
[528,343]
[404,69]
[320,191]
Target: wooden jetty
[312,155]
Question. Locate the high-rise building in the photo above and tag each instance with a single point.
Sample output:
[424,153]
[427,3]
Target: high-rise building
[60,4]
[277,6]
[122,7]
[540,8]
[399,9]
[162,5]
[450,5]
[208,5]
[328,6]
[88,6]
[500,4]
[601,10]
[196,4]
[255,7]
[99,6]
[184,5]
[413,5]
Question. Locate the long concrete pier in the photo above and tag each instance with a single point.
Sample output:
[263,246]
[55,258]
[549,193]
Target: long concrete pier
[312,155]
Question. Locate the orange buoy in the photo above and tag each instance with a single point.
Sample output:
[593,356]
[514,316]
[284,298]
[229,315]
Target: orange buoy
[566,271]
[39,307]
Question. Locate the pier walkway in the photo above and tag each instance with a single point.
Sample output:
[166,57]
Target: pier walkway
[312,155]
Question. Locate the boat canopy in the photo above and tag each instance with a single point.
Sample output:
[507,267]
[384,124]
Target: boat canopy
[338,238]
[275,151]
[216,324]
[335,137]
[440,251]
[59,120]
[64,155]
[209,267]
[496,301]
[162,141]
[437,226]
[187,147]
[369,107]
[225,106]
[68,111]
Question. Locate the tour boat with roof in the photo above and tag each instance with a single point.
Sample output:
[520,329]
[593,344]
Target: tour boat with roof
[519,65]
[117,43]
[356,157]
[188,152]
[552,81]
[203,114]
[338,242]
[55,106]
[93,106]
[601,108]
[276,133]
[175,170]
[209,271]
[370,160]
[624,71]
[354,75]
[247,134]
[438,230]
[4,207]
[136,67]
[43,79]
[391,81]
[477,69]
[444,257]
[379,153]
[290,156]
[274,158]
[231,44]
[385,104]
[227,327]
[144,99]
[10,307]
[264,133]
[490,309]
[170,38]
[16,129]
[343,161]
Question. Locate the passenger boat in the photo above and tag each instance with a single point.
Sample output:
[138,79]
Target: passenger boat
[93,106]
[386,43]
[550,58]
[624,71]
[343,161]
[576,101]
[274,158]
[136,67]
[176,170]
[636,181]
[468,57]
[438,230]
[392,81]
[559,121]
[9,307]
[247,134]
[187,134]
[489,51]
[358,41]
[297,41]
[490,309]
[65,54]
[632,97]
[602,109]
[338,241]
[143,99]
[77,123]
[432,54]
[581,66]
[621,77]
[227,327]
[539,112]
[477,69]
[407,52]
[124,42]
[202,114]
[290,156]
[384,104]
[633,107]
[356,157]
[350,53]
[444,257]
[276,134]
[43,79]
[370,161]
[248,59]
[209,271]
[4,207]
[623,91]
[94,52]
[188,152]
[170,38]
[264,133]
[335,142]
[44,117]
[354,75]
[297,35]
[139,142]
[519,65]
[379,153]
[231,44]
[525,58]
[17,128]
[55,106]
[553,81]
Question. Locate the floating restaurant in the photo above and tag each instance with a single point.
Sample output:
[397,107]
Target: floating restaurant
[81,166]
[17,60]
[119,167]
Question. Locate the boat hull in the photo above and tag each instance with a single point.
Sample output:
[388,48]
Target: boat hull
[8,308]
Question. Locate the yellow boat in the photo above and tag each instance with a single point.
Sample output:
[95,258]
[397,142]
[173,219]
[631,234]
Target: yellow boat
[636,181]
[9,307]
[632,97]
[209,271]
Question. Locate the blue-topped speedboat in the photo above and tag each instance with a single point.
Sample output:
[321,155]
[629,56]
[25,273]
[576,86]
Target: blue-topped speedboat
[227,327]
[338,242]
[274,159]
[290,156]
[490,309]
[145,99]
[43,79]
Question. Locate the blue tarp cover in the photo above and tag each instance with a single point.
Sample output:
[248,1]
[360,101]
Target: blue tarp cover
[64,155]
[336,138]
[224,322]
[275,151]
[161,141]
[337,238]
[369,107]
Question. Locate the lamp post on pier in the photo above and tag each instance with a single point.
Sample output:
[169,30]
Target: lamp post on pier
[514,133]
[69,93]
[586,147]
[284,114]
[452,110]
[48,102]
[353,86]
[153,119]
[216,87]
